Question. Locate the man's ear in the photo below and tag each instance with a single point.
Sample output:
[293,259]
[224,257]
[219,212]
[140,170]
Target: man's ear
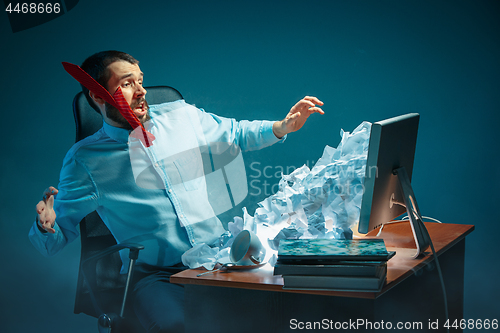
[98,100]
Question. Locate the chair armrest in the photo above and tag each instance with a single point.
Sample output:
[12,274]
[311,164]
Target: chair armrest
[89,264]
[133,254]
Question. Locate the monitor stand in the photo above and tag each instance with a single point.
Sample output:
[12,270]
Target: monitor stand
[420,233]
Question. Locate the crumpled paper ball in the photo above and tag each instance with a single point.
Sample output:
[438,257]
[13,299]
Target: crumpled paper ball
[200,255]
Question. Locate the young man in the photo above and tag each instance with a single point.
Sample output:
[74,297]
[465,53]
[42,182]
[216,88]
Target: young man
[156,195]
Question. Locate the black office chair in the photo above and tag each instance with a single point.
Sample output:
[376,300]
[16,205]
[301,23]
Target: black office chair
[102,291]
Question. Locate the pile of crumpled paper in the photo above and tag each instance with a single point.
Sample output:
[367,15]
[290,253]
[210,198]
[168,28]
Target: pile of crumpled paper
[322,202]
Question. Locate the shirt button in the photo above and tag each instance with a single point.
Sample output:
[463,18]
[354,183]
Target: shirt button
[181,216]
[156,164]
[170,191]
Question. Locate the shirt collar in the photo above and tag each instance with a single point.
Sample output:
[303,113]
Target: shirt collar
[122,134]
[116,133]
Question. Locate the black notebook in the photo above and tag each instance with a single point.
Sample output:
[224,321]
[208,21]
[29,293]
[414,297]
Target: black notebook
[337,283]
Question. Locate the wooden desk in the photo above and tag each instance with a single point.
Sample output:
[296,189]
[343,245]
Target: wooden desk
[254,301]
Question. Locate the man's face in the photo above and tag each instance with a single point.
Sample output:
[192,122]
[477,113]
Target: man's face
[129,77]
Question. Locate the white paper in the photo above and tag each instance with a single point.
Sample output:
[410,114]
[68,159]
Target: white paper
[322,202]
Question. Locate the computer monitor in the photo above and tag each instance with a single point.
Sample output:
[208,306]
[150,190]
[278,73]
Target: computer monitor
[387,191]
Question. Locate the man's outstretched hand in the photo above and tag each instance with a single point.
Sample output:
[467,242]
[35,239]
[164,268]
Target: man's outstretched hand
[297,116]
[45,209]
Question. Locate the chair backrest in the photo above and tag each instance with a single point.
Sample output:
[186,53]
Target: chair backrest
[94,234]
[88,121]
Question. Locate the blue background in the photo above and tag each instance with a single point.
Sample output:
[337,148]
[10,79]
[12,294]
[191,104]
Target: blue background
[367,60]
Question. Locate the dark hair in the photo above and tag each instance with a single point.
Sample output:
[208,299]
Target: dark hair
[97,66]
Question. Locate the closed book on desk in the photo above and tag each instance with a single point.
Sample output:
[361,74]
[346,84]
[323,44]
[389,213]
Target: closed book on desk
[340,283]
[344,269]
[330,251]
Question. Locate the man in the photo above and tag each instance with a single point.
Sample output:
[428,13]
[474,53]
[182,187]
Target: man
[171,213]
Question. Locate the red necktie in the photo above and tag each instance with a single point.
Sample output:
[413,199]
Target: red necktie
[117,100]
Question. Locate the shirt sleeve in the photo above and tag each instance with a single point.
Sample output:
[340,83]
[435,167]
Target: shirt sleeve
[248,135]
[76,198]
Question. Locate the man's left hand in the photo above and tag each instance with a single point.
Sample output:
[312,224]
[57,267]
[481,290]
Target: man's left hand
[297,116]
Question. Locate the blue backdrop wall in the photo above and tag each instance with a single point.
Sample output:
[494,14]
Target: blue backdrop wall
[367,60]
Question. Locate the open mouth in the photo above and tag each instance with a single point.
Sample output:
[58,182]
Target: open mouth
[140,109]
